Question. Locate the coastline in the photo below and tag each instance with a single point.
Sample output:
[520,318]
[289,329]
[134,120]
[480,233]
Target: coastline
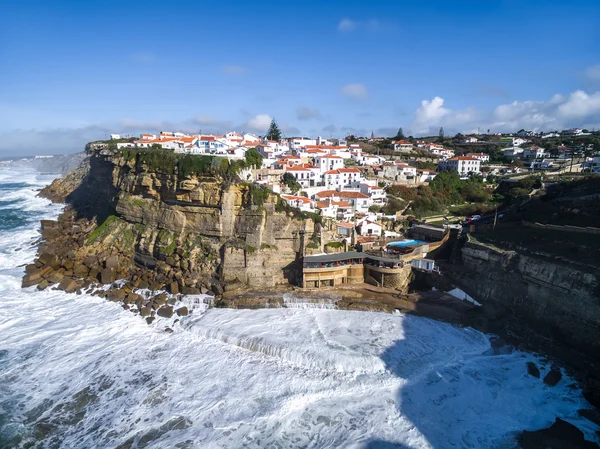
[70,232]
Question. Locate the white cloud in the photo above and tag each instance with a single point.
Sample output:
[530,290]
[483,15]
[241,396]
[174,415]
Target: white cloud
[578,109]
[347,25]
[357,91]
[306,113]
[580,104]
[259,123]
[593,73]
[233,70]
[370,25]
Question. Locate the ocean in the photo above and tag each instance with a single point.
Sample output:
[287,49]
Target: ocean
[77,371]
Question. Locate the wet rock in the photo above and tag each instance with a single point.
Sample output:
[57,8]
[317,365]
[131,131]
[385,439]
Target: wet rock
[68,285]
[168,330]
[174,288]
[182,311]
[56,277]
[145,311]
[159,301]
[31,268]
[150,319]
[560,435]
[190,291]
[80,270]
[116,295]
[171,301]
[107,276]
[553,377]
[43,285]
[533,370]
[165,312]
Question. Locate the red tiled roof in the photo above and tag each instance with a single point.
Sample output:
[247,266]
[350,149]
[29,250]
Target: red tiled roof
[345,225]
[463,158]
[297,198]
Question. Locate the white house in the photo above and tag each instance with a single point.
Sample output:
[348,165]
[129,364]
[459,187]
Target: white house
[345,229]
[464,165]
[300,202]
[115,136]
[517,141]
[307,175]
[367,227]
[357,201]
[442,152]
[426,175]
[399,171]
[534,152]
[403,146]
[300,142]
[483,157]
[377,194]
[512,152]
[470,139]
[550,135]
[327,162]
[342,177]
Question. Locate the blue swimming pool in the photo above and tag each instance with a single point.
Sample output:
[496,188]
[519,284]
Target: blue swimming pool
[405,243]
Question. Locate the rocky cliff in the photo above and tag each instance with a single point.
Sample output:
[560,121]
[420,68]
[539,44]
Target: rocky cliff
[549,302]
[131,217]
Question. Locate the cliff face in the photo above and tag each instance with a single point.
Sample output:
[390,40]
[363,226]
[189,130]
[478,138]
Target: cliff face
[188,233]
[555,298]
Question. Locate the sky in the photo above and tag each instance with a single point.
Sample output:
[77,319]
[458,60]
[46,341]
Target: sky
[75,71]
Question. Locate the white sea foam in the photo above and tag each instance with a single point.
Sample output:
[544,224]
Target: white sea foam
[84,373]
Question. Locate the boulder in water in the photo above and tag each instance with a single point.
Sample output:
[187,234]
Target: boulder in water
[560,435]
[165,312]
[533,370]
[182,311]
[553,377]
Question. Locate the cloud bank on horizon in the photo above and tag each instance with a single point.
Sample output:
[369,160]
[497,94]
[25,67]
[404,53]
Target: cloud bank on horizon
[577,109]
[370,69]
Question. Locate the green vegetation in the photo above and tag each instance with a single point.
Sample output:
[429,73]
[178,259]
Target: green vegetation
[290,181]
[266,246]
[256,194]
[399,135]
[102,231]
[334,244]
[185,165]
[165,243]
[250,249]
[253,158]
[274,133]
[283,206]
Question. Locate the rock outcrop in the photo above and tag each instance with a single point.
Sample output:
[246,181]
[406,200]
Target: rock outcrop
[128,219]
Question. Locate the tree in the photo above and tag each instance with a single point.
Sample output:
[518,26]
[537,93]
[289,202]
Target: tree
[253,158]
[459,137]
[290,181]
[274,132]
[442,134]
[399,135]
[372,135]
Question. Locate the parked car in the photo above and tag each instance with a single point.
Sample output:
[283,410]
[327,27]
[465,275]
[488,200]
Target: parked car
[473,218]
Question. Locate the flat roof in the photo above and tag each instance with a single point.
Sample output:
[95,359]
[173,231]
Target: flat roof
[384,259]
[334,257]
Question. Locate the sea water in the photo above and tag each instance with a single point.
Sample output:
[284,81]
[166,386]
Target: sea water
[77,371]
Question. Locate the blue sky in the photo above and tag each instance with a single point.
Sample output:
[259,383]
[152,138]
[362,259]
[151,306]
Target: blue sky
[72,71]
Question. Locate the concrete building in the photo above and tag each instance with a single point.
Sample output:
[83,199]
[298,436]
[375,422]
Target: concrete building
[464,165]
[483,157]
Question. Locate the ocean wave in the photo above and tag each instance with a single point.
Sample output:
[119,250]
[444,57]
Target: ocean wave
[79,371]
